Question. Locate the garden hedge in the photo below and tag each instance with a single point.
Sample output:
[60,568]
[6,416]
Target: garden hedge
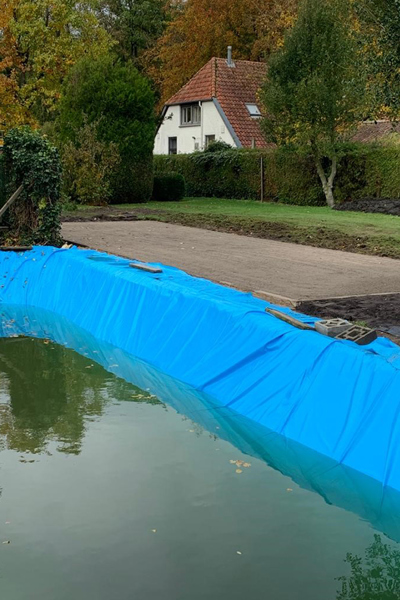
[364,171]
[168,187]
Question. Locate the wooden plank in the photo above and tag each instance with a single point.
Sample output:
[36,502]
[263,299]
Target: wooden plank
[289,319]
[12,199]
[15,248]
[144,267]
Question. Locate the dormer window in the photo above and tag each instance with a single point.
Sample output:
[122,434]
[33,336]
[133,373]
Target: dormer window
[190,114]
[254,111]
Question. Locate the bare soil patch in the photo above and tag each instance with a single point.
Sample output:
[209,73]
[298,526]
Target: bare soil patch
[381,312]
[387,206]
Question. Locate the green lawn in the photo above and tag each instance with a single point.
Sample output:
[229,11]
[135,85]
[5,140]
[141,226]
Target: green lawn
[316,226]
[354,223]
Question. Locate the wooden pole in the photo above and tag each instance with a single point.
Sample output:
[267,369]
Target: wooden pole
[261,178]
[11,200]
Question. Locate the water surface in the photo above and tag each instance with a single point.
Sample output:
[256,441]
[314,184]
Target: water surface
[117,482]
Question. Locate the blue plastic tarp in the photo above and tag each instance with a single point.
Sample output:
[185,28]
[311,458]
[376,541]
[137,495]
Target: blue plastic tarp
[333,397]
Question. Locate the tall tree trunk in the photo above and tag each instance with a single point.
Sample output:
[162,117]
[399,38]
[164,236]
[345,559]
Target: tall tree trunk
[327,182]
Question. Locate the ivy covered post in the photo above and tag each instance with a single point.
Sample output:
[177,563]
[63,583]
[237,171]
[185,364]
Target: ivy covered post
[30,160]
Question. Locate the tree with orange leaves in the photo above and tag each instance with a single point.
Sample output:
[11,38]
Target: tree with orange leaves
[201,29]
[39,42]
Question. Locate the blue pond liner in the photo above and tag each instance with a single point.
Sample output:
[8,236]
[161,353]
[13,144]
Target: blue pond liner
[336,398]
[334,482]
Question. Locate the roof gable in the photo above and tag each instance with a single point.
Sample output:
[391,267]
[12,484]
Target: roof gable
[200,87]
[233,87]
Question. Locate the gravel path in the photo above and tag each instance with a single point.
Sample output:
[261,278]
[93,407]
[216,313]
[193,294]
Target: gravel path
[249,264]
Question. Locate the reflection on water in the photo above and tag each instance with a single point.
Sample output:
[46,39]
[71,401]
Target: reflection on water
[374,577]
[48,392]
[55,401]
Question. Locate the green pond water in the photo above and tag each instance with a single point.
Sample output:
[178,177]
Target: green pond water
[107,492]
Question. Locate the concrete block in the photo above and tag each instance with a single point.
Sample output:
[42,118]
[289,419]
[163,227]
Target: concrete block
[332,327]
[359,335]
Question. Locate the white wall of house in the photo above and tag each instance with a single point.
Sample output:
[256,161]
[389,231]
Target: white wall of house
[191,137]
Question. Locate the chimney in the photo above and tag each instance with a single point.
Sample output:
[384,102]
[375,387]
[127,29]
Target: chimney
[229,60]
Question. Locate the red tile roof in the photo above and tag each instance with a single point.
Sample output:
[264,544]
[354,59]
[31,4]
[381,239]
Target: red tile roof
[233,87]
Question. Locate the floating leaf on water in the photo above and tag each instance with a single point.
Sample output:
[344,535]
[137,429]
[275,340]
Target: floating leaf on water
[239,463]
[239,471]
[233,462]
[246,465]
[289,490]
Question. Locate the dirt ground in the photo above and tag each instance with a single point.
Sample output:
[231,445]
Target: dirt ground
[380,311]
[320,237]
[249,264]
[387,206]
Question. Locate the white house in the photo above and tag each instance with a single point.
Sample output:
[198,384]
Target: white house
[219,103]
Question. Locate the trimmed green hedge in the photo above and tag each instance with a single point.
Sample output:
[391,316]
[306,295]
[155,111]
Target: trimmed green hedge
[364,170]
[168,187]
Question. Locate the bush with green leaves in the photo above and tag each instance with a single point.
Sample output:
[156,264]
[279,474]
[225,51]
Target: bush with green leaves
[217,146]
[88,167]
[168,187]
[365,170]
[120,101]
[31,160]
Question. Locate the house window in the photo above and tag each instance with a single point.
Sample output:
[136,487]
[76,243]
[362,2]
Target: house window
[209,139]
[190,114]
[254,111]
[172,145]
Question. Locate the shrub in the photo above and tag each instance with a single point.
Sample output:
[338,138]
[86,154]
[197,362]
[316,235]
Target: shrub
[217,146]
[88,167]
[237,174]
[120,101]
[31,160]
[168,187]
[364,171]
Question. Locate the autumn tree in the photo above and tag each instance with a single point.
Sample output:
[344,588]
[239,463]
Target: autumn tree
[201,29]
[380,23]
[314,93]
[39,42]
